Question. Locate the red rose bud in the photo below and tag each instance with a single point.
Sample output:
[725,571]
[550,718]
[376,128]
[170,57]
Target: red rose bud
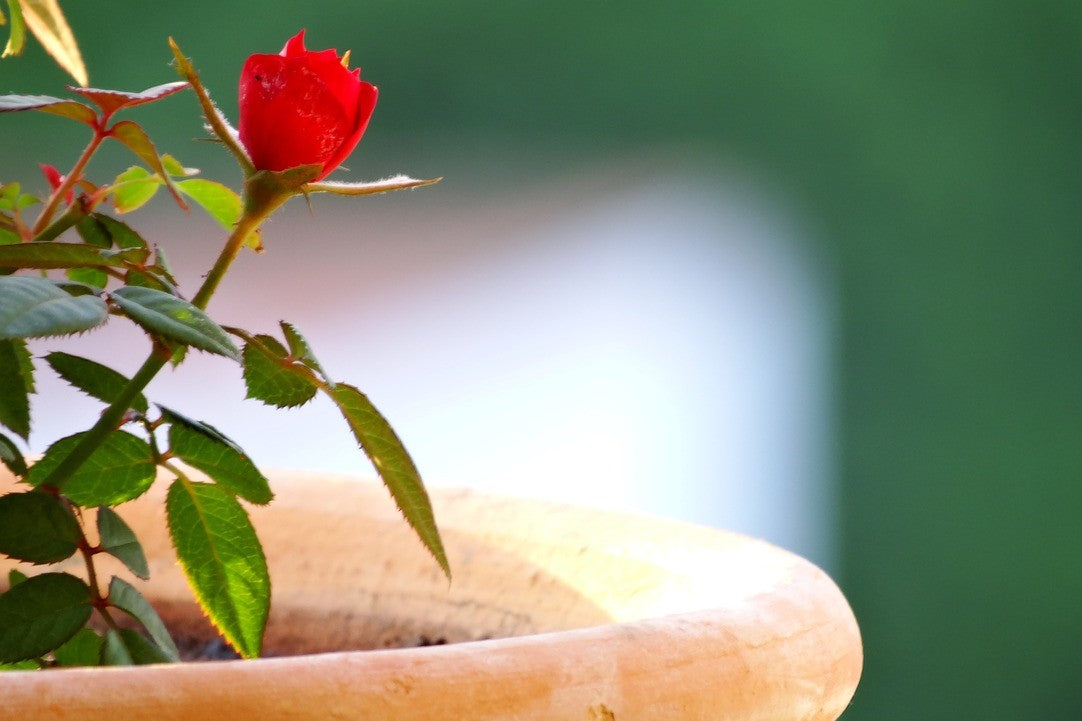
[56,180]
[302,108]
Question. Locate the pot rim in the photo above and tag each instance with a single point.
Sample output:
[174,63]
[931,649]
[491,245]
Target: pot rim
[634,618]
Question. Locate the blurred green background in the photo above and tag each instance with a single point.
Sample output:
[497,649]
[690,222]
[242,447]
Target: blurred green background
[935,146]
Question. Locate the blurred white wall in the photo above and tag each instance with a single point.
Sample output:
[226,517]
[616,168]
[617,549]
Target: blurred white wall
[653,342]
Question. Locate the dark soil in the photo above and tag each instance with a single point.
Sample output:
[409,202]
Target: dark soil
[192,649]
[198,649]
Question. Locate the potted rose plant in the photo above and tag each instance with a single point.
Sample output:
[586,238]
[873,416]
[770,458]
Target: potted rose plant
[607,616]
[68,270]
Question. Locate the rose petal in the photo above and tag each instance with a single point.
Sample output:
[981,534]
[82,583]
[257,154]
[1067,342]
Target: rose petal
[366,102]
[294,46]
[302,107]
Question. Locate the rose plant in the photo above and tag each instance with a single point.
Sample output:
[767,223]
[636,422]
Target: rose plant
[66,265]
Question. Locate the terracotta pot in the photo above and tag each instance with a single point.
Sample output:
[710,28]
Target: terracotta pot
[554,613]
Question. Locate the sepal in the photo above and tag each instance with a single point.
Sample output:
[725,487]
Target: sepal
[397,182]
[216,121]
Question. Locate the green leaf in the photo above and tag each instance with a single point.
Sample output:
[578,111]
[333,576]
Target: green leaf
[130,648]
[29,665]
[88,276]
[120,469]
[68,255]
[45,103]
[173,318]
[133,136]
[221,556]
[156,275]
[111,101]
[300,350]
[222,461]
[11,456]
[17,38]
[270,376]
[114,651]
[71,217]
[26,363]
[221,203]
[15,386]
[171,416]
[141,650]
[26,200]
[133,188]
[40,614]
[93,230]
[15,577]
[93,378]
[82,649]
[118,540]
[175,168]
[32,307]
[9,194]
[162,264]
[46,21]
[176,419]
[121,234]
[393,464]
[75,288]
[125,597]
[397,182]
[141,279]
[127,647]
[37,528]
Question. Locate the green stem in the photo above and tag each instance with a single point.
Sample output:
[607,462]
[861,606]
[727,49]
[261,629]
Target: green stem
[110,419]
[69,181]
[101,603]
[70,217]
[246,224]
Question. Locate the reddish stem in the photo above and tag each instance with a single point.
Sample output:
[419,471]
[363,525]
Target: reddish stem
[100,134]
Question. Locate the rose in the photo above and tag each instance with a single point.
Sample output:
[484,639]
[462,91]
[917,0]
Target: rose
[302,108]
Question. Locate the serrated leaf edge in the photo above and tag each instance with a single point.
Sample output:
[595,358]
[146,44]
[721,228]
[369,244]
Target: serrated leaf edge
[430,538]
[228,636]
